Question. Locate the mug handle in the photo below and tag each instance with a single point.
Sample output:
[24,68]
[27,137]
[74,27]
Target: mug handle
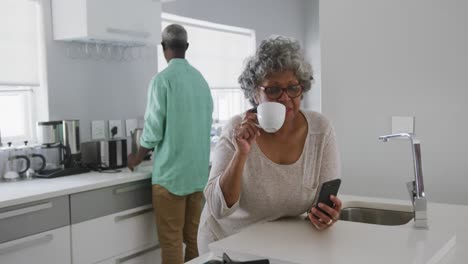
[42,159]
[28,163]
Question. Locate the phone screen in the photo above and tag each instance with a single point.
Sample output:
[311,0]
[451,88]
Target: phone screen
[326,189]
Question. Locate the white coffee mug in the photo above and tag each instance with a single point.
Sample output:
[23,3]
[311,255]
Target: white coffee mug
[271,116]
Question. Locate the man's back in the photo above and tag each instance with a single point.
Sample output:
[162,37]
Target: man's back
[178,123]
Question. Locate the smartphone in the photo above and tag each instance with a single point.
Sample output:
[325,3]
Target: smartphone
[323,195]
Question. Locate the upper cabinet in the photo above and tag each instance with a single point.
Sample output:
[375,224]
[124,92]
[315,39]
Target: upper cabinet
[130,22]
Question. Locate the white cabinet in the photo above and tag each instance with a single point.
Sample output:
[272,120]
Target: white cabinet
[112,221]
[110,225]
[108,236]
[149,255]
[36,232]
[124,21]
[51,247]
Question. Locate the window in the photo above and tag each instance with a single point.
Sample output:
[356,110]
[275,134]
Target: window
[218,52]
[16,113]
[19,67]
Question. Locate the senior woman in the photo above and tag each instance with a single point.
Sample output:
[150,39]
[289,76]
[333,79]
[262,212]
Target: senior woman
[258,176]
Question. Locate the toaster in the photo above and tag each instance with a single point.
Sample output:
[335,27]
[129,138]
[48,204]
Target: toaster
[104,154]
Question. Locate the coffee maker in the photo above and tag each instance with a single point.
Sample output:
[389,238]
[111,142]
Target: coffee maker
[61,147]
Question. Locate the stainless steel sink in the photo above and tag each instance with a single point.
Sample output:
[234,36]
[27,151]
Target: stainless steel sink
[375,216]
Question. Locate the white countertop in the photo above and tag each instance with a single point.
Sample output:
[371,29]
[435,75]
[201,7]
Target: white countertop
[446,223]
[13,193]
[24,191]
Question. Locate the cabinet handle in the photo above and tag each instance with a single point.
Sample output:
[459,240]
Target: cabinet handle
[27,244]
[131,188]
[130,33]
[130,215]
[137,254]
[26,210]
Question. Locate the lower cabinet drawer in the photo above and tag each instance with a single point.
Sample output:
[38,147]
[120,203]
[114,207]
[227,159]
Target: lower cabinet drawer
[51,247]
[33,218]
[109,236]
[147,255]
[97,203]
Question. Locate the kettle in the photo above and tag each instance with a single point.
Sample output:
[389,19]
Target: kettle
[136,136]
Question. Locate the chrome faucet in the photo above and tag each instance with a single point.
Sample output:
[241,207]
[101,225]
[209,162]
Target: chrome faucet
[416,187]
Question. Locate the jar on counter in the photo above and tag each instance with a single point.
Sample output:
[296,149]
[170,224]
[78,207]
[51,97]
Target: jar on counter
[37,160]
[13,163]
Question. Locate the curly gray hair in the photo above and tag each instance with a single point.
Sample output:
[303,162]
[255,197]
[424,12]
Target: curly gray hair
[275,54]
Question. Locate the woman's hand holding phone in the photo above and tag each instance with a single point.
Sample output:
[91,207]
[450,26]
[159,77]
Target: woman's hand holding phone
[323,220]
[326,208]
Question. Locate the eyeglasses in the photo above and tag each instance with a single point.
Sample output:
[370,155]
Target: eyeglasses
[274,93]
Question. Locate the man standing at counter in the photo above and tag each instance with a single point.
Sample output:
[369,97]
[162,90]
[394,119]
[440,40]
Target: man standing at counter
[177,125]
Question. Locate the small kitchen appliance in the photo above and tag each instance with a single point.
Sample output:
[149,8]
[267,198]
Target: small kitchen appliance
[104,154]
[61,147]
[13,163]
[136,135]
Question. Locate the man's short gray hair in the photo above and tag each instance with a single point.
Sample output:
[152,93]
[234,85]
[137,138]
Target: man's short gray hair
[174,33]
[275,54]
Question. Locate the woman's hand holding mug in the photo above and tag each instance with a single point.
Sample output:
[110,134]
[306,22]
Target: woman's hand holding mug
[246,132]
[268,116]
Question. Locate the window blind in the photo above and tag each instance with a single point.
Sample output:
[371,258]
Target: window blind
[19,43]
[217,51]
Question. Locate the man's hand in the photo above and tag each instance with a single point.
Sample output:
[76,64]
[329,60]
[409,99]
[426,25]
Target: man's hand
[134,160]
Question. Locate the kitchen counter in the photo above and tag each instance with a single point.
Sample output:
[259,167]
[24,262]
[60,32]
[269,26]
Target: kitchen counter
[295,239]
[14,193]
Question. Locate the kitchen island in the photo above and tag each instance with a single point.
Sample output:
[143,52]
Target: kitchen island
[293,240]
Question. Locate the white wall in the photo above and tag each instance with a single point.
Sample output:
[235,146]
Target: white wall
[312,101]
[382,58]
[266,17]
[87,89]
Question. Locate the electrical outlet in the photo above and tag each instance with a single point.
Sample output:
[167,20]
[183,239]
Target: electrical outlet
[98,129]
[131,124]
[402,124]
[115,129]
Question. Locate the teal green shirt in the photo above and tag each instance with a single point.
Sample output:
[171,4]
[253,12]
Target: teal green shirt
[178,122]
